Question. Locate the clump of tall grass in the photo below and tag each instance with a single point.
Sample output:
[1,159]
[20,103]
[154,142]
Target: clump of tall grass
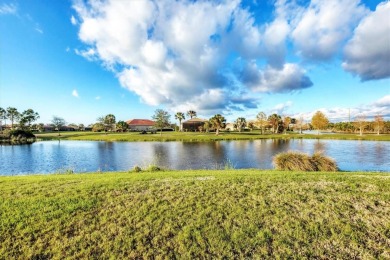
[324,163]
[297,161]
[226,165]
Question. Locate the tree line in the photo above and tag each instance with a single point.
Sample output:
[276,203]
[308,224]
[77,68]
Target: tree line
[273,123]
[22,120]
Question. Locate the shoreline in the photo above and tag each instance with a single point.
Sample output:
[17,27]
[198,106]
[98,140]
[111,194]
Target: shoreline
[163,171]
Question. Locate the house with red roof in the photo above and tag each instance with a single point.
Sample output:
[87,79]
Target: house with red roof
[140,124]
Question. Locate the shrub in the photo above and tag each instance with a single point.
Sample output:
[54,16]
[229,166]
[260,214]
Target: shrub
[21,133]
[296,161]
[154,168]
[137,169]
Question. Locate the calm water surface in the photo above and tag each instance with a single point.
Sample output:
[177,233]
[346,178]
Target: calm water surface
[85,156]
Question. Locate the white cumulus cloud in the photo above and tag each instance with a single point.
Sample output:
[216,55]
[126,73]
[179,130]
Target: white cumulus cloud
[289,78]
[73,20]
[215,55]
[368,53]
[324,26]
[383,102]
[369,110]
[180,53]
[75,93]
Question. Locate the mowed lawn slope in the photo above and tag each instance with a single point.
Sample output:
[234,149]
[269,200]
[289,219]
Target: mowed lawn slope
[200,137]
[196,214]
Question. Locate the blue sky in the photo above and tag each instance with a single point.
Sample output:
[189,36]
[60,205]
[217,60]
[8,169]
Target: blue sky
[83,59]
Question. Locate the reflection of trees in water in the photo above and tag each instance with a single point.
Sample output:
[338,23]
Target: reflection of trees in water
[219,151]
[300,144]
[162,154]
[279,145]
[197,155]
[319,146]
[380,153]
[106,156]
[361,151]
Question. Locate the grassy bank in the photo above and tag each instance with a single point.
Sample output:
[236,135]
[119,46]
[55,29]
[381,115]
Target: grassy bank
[190,214]
[196,136]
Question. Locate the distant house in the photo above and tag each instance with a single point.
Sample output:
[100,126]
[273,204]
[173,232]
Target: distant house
[230,127]
[48,128]
[193,124]
[140,124]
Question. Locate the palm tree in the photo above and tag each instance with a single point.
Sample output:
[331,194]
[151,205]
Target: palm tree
[274,120]
[191,113]
[122,126]
[218,122]
[207,126]
[180,116]
[240,122]
[12,114]
[109,121]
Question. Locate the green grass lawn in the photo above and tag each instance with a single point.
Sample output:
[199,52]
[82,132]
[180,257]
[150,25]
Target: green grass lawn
[196,214]
[197,136]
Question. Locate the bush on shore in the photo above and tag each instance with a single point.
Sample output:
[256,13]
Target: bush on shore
[17,136]
[296,161]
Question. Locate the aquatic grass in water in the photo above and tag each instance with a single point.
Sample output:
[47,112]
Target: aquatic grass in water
[226,165]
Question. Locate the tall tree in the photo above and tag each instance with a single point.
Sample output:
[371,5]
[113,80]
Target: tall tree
[319,121]
[3,116]
[379,123]
[251,125]
[28,116]
[361,123]
[286,123]
[191,113]
[261,121]
[218,122]
[81,127]
[13,115]
[207,126]
[121,126]
[109,122]
[274,121]
[300,123]
[161,119]
[41,127]
[57,123]
[180,116]
[241,123]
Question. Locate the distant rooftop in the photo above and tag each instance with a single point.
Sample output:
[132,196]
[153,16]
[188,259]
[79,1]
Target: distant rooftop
[194,120]
[140,122]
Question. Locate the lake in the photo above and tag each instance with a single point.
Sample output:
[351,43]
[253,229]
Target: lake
[87,156]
